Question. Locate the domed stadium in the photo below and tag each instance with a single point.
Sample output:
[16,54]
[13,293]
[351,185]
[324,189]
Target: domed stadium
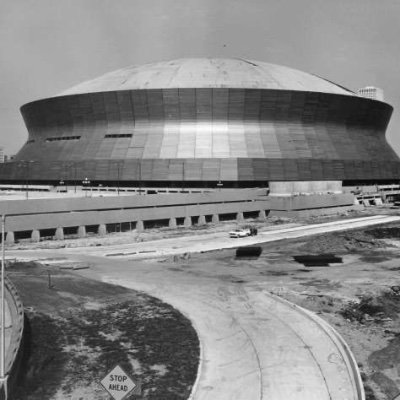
[203,122]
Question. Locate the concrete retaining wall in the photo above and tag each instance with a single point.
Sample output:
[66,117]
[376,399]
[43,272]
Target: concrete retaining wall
[289,188]
[307,202]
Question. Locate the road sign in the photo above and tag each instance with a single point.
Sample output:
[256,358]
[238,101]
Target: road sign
[119,384]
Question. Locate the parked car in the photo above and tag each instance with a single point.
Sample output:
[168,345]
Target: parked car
[239,233]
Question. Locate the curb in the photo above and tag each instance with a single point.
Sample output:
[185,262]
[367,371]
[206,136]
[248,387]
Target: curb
[17,314]
[336,338]
[200,366]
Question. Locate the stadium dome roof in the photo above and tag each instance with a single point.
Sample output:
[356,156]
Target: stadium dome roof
[208,73]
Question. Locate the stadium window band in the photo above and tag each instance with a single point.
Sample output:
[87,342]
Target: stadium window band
[118,135]
[114,135]
[53,139]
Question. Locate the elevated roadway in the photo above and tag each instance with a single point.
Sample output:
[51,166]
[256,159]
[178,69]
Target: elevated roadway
[221,240]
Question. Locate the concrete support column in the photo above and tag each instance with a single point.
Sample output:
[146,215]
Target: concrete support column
[59,233]
[239,217]
[10,239]
[82,231]
[172,223]
[188,222]
[202,220]
[102,230]
[262,215]
[215,218]
[139,226]
[35,236]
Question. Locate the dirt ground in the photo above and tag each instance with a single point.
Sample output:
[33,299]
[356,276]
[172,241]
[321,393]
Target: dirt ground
[80,329]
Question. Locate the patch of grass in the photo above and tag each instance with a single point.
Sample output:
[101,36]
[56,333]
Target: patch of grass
[386,305]
[274,273]
[356,311]
[323,284]
[344,242]
[392,232]
[377,257]
[387,385]
[74,346]
[49,359]
[369,392]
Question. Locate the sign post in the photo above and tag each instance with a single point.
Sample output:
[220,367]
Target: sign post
[119,384]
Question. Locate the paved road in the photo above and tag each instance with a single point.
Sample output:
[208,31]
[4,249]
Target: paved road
[221,240]
[254,345]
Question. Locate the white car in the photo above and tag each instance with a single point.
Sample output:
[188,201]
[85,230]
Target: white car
[239,233]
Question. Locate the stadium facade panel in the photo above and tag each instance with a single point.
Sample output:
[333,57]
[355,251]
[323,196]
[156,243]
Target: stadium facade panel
[125,128]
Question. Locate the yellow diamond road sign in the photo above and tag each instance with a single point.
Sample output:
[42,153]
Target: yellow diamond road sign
[118,383]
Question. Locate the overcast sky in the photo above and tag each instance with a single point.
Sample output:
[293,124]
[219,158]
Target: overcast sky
[46,46]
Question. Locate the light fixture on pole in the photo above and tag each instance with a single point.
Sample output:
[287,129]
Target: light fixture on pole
[118,164]
[85,183]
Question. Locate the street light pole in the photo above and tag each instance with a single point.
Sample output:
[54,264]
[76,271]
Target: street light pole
[140,177]
[86,182]
[183,175]
[3,377]
[24,164]
[28,163]
[74,165]
[118,175]
[118,179]
[220,184]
